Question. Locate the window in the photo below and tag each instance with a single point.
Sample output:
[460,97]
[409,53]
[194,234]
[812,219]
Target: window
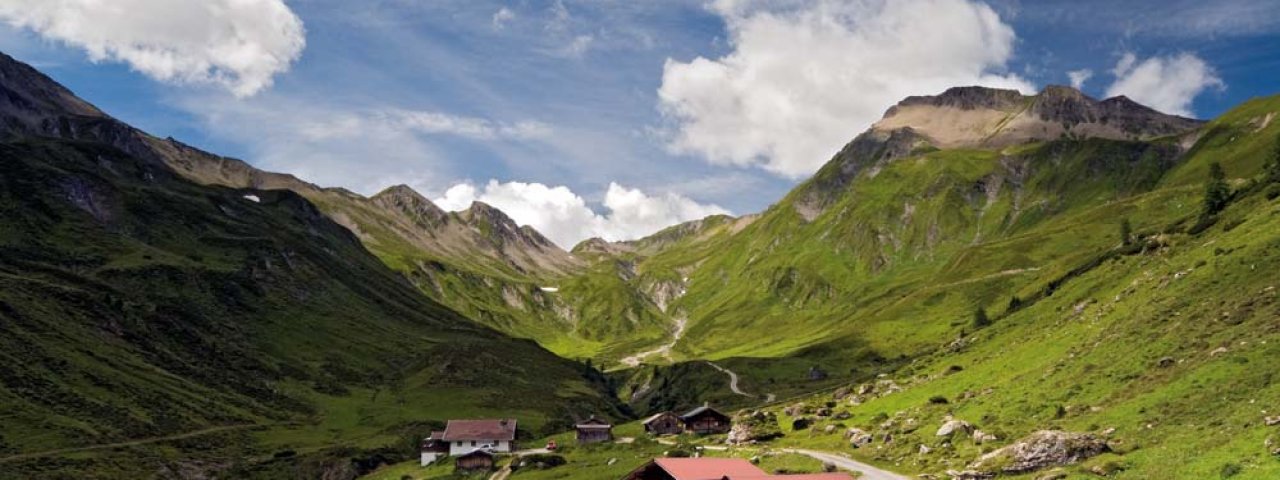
[473,443]
[459,443]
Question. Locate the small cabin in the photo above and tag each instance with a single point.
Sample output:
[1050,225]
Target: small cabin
[477,460]
[594,430]
[434,447]
[705,420]
[665,423]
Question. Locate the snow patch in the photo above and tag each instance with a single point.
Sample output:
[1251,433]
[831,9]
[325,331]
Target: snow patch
[253,198]
[550,289]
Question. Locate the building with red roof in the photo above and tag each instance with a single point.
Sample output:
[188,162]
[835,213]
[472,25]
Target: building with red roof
[716,469]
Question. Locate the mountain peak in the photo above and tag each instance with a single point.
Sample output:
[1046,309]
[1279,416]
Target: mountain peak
[981,117]
[407,200]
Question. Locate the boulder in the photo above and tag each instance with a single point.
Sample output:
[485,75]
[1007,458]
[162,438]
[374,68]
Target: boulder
[754,427]
[857,437]
[952,426]
[816,374]
[980,437]
[924,449]
[866,389]
[840,393]
[1272,421]
[801,423]
[1046,448]
[843,415]
[1166,362]
[829,429]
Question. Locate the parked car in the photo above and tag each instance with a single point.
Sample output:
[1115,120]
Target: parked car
[551,445]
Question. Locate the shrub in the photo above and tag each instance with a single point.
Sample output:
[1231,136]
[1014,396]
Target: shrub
[980,318]
[1230,470]
[1216,191]
[541,460]
[938,400]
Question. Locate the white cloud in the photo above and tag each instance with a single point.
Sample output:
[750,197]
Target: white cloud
[1078,77]
[804,78]
[238,44]
[501,17]
[564,217]
[360,149]
[1168,84]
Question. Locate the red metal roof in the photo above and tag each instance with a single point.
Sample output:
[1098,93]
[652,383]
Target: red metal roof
[501,429]
[730,469]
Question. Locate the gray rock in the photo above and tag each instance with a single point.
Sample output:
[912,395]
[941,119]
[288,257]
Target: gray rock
[1046,448]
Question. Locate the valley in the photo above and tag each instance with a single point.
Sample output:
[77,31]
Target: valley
[933,301]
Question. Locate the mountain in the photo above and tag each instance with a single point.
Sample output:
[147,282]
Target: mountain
[1161,345]
[158,326]
[863,284]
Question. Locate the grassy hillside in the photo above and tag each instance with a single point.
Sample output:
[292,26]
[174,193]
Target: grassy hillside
[163,326]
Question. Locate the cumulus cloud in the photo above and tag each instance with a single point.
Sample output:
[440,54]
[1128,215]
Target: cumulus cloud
[564,216]
[1168,84]
[502,16]
[1078,77]
[238,44]
[804,77]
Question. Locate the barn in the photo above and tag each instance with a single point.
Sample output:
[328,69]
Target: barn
[665,423]
[477,460]
[594,430]
[705,420]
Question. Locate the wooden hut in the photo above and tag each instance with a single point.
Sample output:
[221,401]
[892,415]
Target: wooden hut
[594,430]
[665,423]
[705,420]
[477,460]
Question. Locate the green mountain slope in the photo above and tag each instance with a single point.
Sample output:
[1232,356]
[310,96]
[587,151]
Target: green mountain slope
[155,326]
[1165,348]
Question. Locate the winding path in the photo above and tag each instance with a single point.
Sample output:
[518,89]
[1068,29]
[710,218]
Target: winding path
[733,379]
[868,472]
[665,350]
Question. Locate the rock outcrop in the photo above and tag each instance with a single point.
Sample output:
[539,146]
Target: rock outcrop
[1046,448]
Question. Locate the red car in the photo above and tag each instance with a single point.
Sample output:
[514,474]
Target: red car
[551,445]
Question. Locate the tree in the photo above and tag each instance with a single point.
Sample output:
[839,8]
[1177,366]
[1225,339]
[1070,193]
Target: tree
[1126,232]
[980,318]
[1216,191]
[1273,163]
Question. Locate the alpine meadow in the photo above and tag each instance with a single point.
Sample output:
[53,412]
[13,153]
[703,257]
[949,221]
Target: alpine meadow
[990,274]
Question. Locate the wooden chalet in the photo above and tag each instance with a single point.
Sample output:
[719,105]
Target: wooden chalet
[705,420]
[594,430]
[665,423]
[477,460]
[716,469]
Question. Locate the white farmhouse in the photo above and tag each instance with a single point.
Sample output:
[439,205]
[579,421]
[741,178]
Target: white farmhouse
[461,437]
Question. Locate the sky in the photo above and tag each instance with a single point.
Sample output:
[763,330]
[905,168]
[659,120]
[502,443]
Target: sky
[608,118]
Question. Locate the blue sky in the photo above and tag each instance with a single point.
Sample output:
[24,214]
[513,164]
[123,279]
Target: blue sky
[609,117]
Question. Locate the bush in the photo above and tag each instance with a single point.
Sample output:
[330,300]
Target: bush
[540,460]
[1230,470]
[938,400]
